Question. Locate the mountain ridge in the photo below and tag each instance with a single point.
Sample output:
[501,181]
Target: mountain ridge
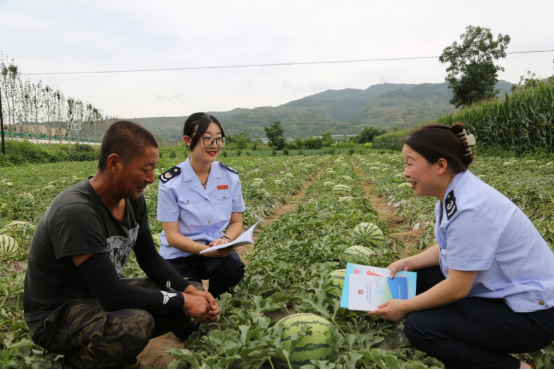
[343,112]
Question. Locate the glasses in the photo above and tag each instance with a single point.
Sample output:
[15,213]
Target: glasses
[209,141]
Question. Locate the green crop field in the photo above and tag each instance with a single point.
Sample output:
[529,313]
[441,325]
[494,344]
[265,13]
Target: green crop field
[289,270]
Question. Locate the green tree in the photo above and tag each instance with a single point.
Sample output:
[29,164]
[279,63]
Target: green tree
[327,139]
[367,135]
[274,134]
[472,74]
[242,140]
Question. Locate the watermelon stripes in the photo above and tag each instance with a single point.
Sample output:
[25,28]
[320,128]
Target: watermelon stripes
[8,246]
[368,234]
[314,346]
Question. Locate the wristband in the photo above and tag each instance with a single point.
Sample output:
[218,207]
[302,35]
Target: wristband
[226,237]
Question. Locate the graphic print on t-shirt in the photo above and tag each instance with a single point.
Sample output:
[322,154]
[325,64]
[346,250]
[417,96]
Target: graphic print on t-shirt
[120,247]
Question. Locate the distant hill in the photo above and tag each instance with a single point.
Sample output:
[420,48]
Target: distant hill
[405,108]
[345,111]
[342,105]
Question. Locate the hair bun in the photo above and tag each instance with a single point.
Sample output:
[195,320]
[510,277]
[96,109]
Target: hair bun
[457,127]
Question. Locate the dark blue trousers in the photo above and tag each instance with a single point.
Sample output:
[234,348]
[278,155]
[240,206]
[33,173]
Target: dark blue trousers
[476,332]
[223,273]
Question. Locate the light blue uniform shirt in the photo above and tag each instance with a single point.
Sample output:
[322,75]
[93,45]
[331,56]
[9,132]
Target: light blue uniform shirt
[203,214]
[479,229]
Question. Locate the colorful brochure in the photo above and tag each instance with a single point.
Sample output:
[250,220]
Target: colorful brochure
[366,287]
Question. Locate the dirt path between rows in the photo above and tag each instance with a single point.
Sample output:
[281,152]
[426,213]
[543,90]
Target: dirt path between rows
[154,356]
[408,237]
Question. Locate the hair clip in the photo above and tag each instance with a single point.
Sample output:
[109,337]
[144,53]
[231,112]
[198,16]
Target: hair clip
[469,139]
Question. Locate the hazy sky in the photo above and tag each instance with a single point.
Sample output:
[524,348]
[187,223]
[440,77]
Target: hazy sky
[99,35]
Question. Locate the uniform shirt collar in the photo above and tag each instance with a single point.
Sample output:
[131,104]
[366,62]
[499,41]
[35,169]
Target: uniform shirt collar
[190,176]
[453,185]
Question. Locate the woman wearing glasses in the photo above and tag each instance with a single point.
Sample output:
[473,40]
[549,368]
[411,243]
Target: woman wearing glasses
[200,205]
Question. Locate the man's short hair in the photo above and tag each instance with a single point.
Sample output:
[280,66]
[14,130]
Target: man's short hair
[126,139]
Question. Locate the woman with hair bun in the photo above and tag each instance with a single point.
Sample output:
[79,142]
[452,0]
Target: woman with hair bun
[487,288]
[200,205]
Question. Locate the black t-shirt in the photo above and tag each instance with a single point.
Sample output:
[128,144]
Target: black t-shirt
[77,222]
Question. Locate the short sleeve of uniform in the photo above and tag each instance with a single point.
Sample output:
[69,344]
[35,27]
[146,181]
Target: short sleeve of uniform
[472,240]
[168,207]
[69,242]
[238,201]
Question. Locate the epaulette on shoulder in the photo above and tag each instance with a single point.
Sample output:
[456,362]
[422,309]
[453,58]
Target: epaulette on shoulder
[170,174]
[228,168]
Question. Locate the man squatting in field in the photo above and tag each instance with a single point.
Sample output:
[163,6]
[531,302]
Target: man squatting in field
[76,302]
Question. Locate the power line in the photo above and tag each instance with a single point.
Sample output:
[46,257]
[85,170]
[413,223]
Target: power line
[259,65]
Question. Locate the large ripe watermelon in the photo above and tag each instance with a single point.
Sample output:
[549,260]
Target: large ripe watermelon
[8,246]
[356,254]
[337,282]
[313,346]
[17,227]
[368,234]
[341,189]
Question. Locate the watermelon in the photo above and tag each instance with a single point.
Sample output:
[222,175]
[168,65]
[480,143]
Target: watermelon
[314,346]
[368,234]
[288,174]
[341,189]
[256,184]
[329,183]
[337,282]
[346,199]
[347,178]
[404,184]
[8,246]
[356,254]
[17,227]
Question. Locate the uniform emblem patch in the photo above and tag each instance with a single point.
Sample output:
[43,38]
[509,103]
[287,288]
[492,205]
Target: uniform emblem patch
[169,174]
[221,187]
[450,205]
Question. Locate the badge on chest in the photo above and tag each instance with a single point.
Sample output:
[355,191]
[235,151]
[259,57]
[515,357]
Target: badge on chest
[450,205]
[222,187]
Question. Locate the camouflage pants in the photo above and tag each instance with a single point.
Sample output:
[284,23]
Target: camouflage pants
[91,337]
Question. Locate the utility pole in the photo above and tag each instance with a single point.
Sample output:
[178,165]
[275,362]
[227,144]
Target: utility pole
[2,125]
